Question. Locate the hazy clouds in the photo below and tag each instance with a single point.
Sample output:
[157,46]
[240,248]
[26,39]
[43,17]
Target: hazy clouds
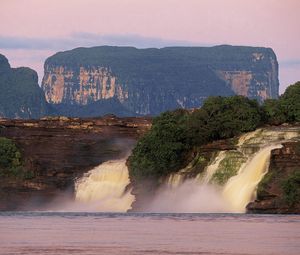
[83,39]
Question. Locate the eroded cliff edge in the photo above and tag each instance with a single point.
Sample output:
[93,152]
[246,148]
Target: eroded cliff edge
[271,197]
[57,150]
[132,81]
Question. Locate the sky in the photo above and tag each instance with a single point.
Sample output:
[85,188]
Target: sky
[32,30]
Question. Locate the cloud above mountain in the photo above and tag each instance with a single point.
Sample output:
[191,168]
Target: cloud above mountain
[83,39]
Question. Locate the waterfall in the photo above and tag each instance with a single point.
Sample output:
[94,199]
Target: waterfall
[203,194]
[104,188]
[210,170]
[176,179]
[200,194]
[240,189]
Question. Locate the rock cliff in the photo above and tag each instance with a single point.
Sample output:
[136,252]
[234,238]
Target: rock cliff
[57,150]
[149,81]
[271,195]
[21,96]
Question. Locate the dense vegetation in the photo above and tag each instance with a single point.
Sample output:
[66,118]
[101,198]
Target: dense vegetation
[10,158]
[291,188]
[165,148]
[11,163]
[286,108]
[173,134]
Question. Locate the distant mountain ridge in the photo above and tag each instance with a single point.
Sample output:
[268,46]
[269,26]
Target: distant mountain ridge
[149,81]
[20,94]
[125,81]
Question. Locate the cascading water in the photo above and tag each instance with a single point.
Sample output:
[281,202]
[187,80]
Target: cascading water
[202,194]
[240,189]
[104,188]
[176,179]
[212,168]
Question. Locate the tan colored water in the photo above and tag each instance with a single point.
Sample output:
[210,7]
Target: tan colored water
[174,180]
[103,189]
[240,189]
[148,234]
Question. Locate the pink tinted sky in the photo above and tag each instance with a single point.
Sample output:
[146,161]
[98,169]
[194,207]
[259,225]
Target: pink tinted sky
[32,30]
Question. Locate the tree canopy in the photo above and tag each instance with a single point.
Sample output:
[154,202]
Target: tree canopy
[165,148]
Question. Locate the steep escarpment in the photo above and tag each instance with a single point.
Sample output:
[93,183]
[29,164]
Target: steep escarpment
[21,96]
[149,81]
[56,151]
[279,191]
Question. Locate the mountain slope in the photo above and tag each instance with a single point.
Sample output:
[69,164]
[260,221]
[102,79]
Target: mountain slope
[21,96]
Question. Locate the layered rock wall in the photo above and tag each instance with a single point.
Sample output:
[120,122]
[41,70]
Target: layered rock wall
[150,81]
[271,196]
[81,85]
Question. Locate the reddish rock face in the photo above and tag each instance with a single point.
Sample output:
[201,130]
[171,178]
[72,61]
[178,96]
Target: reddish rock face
[270,197]
[59,150]
[95,83]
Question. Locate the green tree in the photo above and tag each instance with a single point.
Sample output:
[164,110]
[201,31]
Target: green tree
[230,116]
[286,108]
[290,102]
[274,112]
[10,158]
[291,188]
[163,149]
[197,127]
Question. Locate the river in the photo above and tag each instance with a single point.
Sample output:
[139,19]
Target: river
[131,233]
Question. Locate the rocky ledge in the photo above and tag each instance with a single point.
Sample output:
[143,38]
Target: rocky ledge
[58,150]
[271,197]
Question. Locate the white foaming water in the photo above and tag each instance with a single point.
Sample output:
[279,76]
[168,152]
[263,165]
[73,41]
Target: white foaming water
[104,188]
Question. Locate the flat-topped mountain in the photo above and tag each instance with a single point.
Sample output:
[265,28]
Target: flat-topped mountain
[89,82]
[130,81]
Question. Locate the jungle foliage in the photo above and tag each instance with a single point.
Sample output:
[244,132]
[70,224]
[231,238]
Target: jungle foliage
[165,148]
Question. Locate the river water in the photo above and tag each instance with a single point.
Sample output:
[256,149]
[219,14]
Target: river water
[112,233]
